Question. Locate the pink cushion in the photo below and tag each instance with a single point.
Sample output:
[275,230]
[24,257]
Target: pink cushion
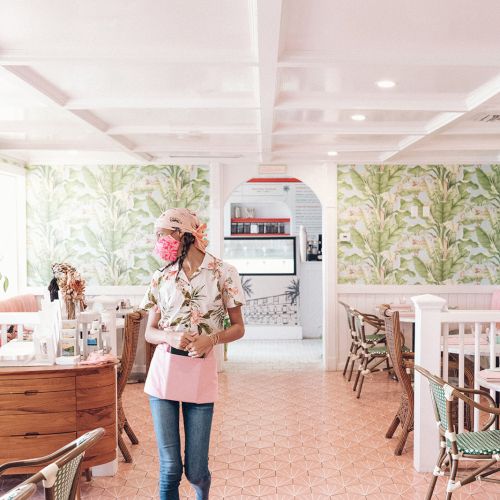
[19,303]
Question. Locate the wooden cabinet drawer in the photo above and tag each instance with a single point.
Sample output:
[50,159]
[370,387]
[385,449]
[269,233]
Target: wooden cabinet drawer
[106,445]
[23,447]
[95,397]
[95,417]
[37,423]
[21,386]
[100,378]
[43,402]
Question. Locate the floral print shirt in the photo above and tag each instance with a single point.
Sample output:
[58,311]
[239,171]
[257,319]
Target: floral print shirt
[196,304]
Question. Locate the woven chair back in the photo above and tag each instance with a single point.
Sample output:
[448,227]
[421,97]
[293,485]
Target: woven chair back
[438,397]
[350,317]
[66,469]
[395,342]
[359,327]
[130,340]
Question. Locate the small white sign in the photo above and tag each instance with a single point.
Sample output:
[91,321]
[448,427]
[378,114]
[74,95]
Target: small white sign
[272,169]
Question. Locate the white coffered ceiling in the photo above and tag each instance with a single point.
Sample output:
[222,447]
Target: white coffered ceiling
[249,81]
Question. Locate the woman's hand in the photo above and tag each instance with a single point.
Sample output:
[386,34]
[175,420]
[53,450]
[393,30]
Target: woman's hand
[181,340]
[200,346]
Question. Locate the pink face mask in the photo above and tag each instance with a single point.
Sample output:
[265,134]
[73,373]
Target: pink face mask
[167,248]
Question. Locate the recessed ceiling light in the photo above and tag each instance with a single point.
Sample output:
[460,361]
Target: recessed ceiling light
[358,118]
[72,152]
[386,84]
[332,153]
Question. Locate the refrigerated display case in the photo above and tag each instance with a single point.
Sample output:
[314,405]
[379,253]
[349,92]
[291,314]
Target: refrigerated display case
[261,256]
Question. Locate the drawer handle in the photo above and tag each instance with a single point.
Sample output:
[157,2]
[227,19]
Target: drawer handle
[31,434]
[31,393]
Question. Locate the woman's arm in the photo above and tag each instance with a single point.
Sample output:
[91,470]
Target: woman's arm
[154,335]
[237,328]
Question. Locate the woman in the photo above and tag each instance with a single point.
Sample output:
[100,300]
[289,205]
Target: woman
[188,300]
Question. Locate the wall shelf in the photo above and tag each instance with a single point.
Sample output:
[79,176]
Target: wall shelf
[257,220]
[260,235]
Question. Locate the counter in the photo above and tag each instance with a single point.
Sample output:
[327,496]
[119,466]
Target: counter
[43,408]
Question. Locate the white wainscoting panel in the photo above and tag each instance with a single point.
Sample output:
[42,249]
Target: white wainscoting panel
[365,298]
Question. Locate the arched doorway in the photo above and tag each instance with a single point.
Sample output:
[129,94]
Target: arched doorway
[273,232]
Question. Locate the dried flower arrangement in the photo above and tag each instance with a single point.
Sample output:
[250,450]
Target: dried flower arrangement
[71,286]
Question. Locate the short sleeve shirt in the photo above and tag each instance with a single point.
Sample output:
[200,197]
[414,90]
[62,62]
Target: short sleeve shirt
[197,304]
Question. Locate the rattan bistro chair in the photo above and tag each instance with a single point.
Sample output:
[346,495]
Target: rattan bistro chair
[372,355]
[403,364]
[132,328]
[373,338]
[61,475]
[20,492]
[483,445]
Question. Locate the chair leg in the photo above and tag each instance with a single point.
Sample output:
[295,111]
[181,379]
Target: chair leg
[123,448]
[453,476]
[353,362]
[360,386]
[347,361]
[361,367]
[432,484]
[130,433]
[405,431]
[392,428]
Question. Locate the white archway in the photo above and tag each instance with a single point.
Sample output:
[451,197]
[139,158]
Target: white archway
[322,179]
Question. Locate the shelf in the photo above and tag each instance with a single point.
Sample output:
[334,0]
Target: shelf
[259,235]
[241,219]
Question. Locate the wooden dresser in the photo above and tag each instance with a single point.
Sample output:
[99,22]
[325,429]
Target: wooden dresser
[44,407]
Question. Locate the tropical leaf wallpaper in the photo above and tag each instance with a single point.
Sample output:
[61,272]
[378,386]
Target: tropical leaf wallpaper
[100,218]
[454,238]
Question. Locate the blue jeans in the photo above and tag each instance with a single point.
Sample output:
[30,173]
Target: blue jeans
[197,426]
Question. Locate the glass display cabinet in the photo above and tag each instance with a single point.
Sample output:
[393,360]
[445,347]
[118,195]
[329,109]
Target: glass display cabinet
[261,256]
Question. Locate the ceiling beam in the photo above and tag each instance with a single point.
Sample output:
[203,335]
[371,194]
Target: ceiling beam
[63,145]
[395,102]
[14,57]
[55,96]
[139,102]
[480,97]
[188,131]
[364,128]
[268,17]
[326,59]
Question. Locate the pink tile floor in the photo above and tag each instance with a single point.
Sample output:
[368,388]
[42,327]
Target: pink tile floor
[284,434]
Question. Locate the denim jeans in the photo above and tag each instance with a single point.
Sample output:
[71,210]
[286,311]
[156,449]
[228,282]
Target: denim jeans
[197,426]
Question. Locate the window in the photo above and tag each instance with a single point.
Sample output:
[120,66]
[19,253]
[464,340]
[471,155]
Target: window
[12,221]
[261,255]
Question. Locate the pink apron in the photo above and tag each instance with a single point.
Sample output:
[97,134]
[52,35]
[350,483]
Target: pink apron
[182,378]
